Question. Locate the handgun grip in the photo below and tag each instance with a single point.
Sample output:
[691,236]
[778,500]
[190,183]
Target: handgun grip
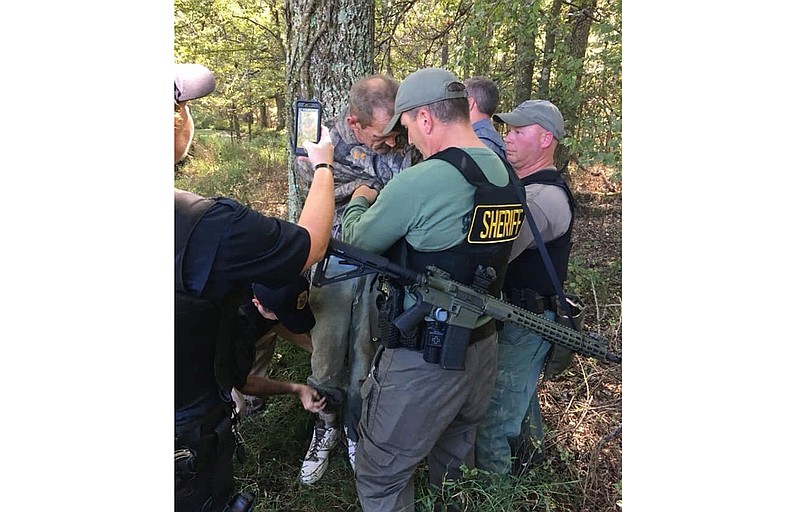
[410,318]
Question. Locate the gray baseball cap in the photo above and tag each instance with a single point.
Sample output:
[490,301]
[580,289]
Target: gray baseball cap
[193,81]
[422,87]
[540,112]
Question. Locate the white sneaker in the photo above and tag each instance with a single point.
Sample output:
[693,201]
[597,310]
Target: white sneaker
[351,449]
[316,460]
[254,404]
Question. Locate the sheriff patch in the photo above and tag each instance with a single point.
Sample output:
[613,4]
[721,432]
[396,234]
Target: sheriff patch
[495,223]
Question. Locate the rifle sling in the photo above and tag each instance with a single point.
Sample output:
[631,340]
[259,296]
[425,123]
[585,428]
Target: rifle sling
[548,263]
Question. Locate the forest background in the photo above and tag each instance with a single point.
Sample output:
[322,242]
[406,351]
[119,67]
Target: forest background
[710,380]
[268,53]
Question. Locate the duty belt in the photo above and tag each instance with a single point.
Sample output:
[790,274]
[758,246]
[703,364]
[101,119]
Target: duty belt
[416,340]
[480,333]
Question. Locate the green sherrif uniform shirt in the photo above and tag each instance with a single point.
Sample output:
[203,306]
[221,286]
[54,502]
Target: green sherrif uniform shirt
[429,204]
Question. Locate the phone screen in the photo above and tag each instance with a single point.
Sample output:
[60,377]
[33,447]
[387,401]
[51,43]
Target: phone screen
[307,121]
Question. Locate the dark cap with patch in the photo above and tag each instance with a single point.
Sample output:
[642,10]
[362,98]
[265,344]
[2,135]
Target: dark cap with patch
[193,81]
[289,303]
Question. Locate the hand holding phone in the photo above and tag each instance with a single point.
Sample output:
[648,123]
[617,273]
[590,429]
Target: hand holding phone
[307,124]
[318,152]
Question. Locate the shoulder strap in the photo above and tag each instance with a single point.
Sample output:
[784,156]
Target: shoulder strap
[461,160]
[548,177]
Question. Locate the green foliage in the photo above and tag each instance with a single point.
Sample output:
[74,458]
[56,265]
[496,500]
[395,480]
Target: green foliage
[221,166]
[581,278]
[243,41]
[240,41]
[276,440]
[540,489]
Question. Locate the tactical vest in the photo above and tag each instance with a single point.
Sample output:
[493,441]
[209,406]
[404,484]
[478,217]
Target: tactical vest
[528,269]
[204,364]
[494,222]
[203,327]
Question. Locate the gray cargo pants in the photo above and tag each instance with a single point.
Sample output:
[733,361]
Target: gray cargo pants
[414,410]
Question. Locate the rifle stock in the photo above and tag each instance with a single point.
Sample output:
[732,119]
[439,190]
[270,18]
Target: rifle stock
[433,289]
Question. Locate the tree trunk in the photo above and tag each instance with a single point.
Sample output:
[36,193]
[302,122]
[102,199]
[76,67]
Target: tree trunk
[527,27]
[468,63]
[329,46]
[263,114]
[484,56]
[280,108]
[553,23]
[233,116]
[581,13]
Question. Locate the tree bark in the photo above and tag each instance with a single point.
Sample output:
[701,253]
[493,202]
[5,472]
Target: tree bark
[280,108]
[581,13]
[233,116]
[553,22]
[329,46]
[525,59]
[263,114]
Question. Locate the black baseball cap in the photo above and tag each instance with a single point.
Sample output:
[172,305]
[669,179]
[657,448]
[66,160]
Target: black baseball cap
[289,303]
[193,81]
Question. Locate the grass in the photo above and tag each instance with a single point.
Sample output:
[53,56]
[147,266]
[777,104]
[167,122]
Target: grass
[220,166]
[277,438]
[581,408]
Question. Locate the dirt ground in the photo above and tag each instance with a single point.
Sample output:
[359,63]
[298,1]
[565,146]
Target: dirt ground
[582,408]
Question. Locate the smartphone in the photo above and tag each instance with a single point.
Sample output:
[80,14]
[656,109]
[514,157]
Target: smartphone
[307,124]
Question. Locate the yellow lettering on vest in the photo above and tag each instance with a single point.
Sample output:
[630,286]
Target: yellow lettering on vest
[520,218]
[487,222]
[498,226]
[498,223]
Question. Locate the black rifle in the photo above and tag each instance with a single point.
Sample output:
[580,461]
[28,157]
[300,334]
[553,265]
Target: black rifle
[435,293]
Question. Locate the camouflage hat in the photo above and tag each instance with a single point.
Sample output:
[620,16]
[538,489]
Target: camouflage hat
[540,112]
[423,87]
[193,81]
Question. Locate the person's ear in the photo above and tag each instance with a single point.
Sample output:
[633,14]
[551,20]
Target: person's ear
[425,120]
[352,121]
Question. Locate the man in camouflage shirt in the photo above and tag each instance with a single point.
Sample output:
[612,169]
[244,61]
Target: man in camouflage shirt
[343,348]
